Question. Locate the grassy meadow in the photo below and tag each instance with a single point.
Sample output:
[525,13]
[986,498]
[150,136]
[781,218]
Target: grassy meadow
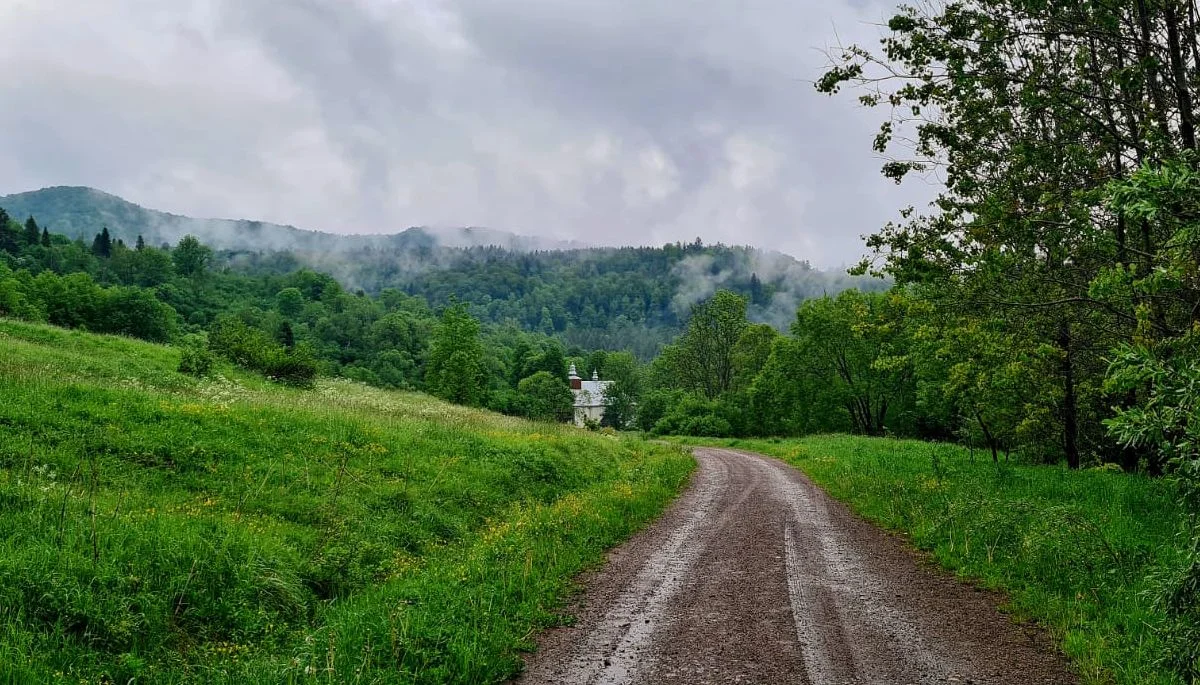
[1078,552]
[157,528]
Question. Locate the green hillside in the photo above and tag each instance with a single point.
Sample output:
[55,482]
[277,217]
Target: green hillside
[80,212]
[629,298]
[159,528]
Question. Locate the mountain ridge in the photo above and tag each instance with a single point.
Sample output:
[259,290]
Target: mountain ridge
[82,211]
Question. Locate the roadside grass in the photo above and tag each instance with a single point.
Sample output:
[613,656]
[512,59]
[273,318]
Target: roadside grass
[157,528]
[1078,552]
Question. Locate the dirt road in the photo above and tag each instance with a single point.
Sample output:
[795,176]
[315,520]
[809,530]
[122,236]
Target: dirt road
[756,576]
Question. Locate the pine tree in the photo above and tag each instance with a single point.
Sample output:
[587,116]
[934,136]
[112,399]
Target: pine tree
[284,336]
[45,237]
[102,245]
[10,240]
[141,243]
[33,234]
[756,290]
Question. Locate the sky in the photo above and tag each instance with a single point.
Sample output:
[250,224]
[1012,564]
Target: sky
[604,121]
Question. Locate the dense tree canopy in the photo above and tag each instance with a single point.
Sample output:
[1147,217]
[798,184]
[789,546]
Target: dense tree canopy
[289,326]
[545,397]
[1064,247]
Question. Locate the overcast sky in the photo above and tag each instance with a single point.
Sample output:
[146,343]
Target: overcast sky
[606,121]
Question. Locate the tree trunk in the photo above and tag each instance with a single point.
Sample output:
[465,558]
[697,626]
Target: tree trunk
[991,439]
[1187,128]
[1070,404]
[1153,84]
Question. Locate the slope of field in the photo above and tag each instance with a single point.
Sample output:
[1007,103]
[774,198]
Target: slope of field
[159,528]
[1077,551]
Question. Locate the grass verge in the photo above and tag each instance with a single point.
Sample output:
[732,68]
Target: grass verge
[1076,551]
[155,528]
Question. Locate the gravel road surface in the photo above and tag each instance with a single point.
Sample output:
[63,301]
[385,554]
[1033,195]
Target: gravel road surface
[756,576]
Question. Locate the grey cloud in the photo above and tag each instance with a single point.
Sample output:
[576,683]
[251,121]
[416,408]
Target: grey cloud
[627,122]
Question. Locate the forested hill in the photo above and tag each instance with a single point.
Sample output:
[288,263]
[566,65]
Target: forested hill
[80,212]
[594,298]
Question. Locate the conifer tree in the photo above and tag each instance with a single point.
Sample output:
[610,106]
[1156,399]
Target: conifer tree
[141,243]
[284,336]
[33,234]
[102,245]
[45,237]
[757,296]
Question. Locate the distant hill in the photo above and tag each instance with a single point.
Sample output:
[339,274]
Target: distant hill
[632,298]
[82,212]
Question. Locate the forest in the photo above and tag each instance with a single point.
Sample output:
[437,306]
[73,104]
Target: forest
[628,298]
[437,335]
[290,326]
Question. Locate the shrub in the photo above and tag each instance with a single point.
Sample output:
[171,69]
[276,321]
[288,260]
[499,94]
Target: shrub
[654,406]
[231,338]
[1165,422]
[693,415]
[13,301]
[138,313]
[195,358]
[297,367]
[255,350]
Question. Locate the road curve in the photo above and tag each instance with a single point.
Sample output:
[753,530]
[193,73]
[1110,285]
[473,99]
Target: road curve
[756,576]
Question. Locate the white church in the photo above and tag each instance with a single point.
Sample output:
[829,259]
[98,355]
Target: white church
[589,397]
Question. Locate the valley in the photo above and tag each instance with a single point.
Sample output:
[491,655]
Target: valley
[952,437]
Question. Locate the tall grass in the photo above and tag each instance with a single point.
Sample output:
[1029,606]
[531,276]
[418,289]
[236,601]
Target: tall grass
[159,528]
[1077,551]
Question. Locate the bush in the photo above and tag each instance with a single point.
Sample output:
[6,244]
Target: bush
[692,415]
[136,312]
[255,350]
[195,358]
[703,426]
[654,406]
[297,367]
[231,338]
[1165,422]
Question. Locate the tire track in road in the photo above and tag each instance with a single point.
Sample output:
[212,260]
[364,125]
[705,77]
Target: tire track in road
[631,594]
[860,603]
[615,648]
[756,576]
